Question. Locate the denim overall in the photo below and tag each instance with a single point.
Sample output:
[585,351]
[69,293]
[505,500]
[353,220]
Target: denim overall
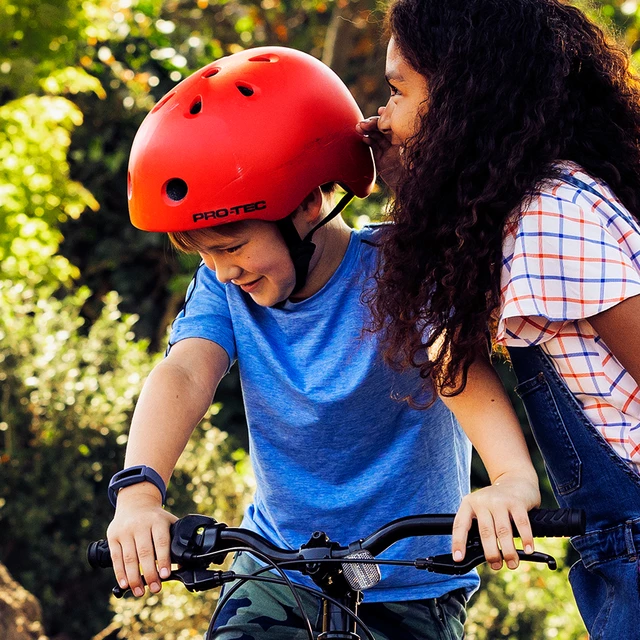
[586,473]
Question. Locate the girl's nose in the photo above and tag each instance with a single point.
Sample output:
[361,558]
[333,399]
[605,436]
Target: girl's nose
[383,120]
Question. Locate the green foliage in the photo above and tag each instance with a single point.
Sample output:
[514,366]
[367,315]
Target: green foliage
[36,194]
[67,394]
[66,398]
[36,38]
[531,602]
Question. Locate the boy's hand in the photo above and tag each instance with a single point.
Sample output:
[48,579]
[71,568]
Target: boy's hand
[385,153]
[139,539]
[495,507]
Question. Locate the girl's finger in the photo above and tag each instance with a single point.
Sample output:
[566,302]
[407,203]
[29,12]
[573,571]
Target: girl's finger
[523,525]
[504,533]
[366,128]
[461,524]
[487,530]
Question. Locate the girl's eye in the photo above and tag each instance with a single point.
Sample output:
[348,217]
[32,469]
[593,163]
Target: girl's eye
[232,249]
[394,90]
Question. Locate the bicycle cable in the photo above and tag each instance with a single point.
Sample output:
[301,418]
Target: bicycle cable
[285,580]
[242,578]
[320,594]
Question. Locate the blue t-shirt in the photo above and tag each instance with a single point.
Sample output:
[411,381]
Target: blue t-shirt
[331,447]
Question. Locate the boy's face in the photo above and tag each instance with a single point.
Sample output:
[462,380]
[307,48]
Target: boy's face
[253,256]
[400,116]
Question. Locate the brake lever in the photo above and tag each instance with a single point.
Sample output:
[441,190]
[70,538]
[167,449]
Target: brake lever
[194,580]
[445,563]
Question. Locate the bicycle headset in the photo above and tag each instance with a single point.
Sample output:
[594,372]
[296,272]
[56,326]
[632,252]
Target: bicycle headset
[246,137]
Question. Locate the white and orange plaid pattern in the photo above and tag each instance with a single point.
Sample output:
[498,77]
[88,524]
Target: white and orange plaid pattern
[573,255]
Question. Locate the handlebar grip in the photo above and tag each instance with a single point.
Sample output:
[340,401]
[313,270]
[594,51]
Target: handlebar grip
[98,555]
[557,522]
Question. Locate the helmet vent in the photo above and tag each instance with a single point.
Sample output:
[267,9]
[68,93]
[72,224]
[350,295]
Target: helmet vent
[245,90]
[209,73]
[270,57]
[176,189]
[163,101]
[196,106]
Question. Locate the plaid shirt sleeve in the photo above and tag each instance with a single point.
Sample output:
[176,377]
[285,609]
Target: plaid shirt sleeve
[569,257]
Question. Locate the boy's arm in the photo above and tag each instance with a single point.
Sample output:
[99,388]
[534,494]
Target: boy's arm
[485,413]
[173,400]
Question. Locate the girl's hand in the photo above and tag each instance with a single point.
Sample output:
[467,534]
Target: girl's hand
[386,154]
[495,507]
[139,539]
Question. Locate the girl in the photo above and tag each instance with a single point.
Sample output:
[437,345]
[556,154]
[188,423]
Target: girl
[517,127]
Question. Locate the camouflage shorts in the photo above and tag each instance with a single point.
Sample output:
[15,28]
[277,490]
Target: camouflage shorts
[263,611]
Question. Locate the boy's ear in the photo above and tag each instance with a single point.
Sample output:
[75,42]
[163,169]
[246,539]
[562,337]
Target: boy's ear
[310,210]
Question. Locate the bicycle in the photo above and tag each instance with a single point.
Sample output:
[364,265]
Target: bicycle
[342,573]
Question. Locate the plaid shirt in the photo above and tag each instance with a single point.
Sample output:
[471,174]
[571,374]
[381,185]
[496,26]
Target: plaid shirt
[570,256]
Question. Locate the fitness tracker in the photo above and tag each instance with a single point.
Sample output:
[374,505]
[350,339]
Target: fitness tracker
[134,475]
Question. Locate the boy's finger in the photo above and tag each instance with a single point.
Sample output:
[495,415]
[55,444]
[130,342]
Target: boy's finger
[132,566]
[461,524]
[147,558]
[118,564]
[162,543]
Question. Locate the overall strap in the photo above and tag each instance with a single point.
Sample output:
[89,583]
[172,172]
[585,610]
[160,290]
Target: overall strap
[580,184]
[585,472]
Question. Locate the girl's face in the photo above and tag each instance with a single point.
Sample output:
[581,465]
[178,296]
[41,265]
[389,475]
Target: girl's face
[253,256]
[400,116]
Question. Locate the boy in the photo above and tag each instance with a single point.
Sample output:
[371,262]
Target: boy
[231,164]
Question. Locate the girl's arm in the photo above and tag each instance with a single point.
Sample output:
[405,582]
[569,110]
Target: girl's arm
[618,327]
[485,413]
[174,399]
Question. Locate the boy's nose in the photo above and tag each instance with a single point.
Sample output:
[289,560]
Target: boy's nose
[225,269]
[208,261]
[226,272]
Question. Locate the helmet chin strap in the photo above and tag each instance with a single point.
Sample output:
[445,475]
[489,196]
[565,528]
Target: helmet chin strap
[301,249]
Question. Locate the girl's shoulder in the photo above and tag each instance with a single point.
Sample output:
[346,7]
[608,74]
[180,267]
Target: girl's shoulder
[572,185]
[570,202]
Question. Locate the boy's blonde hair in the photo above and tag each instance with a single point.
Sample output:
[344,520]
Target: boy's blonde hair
[192,241]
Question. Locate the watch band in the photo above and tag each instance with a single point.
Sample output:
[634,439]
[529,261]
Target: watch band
[135,475]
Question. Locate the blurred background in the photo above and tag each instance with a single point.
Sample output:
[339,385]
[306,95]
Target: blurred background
[86,299]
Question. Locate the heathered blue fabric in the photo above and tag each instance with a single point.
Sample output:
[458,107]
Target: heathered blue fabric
[331,449]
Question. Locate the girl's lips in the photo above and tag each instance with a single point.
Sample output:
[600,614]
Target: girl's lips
[250,286]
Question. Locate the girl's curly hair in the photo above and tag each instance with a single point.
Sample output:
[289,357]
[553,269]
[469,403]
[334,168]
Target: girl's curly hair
[514,86]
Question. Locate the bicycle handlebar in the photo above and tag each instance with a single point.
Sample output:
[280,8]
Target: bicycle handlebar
[195,539]
[545,523]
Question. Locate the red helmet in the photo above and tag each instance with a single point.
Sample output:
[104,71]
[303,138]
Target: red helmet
[247,137]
